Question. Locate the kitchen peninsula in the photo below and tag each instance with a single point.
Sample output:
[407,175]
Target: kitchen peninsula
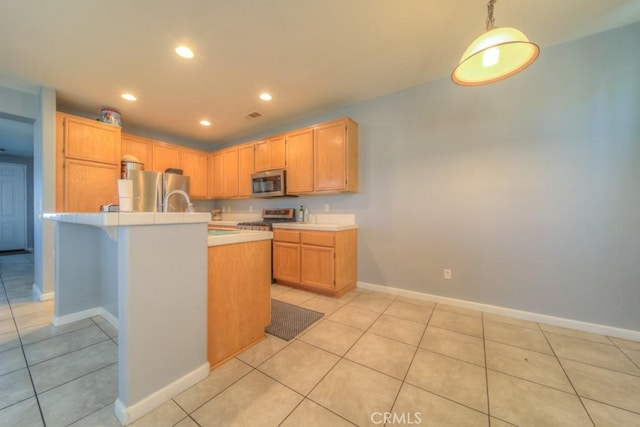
[146,273]
[239,291]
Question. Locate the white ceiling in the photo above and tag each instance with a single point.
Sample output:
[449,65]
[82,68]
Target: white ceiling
[312,55]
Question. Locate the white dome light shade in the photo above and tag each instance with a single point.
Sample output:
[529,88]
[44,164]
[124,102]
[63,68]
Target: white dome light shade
[497,54]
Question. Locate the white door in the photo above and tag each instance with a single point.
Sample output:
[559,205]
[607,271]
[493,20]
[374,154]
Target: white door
[13,207]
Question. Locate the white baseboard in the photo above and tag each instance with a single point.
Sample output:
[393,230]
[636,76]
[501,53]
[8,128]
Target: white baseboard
[503,311]
[38,295]
[129,414]
[86,314]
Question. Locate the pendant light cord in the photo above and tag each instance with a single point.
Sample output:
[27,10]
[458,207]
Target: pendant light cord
[490,18]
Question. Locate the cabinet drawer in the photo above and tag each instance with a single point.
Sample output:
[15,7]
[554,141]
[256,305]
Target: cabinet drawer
[286,236]
[317,238]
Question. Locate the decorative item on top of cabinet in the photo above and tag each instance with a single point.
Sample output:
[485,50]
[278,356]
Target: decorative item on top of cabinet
[141,148]
[194,165]
[270,154]
[216,175]
[322,261]
[336,156]
[299,157]
[165,156]
[87,163]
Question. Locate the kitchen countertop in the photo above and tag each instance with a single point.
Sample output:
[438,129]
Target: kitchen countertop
[224,223]
[115,219]
[229,237]
[305,226]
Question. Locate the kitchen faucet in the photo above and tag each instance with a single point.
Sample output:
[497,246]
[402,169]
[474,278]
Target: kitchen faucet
[165,206]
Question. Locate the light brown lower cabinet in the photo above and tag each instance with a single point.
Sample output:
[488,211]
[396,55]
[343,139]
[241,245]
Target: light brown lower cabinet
[322,261]
[239,298]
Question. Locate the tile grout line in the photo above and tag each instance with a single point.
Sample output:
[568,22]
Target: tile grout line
[413,358]
[486,367]
[24,355]
[342,357]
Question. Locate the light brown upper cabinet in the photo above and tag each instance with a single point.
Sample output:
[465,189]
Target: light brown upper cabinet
[299,155]
[194,165]
[336,156]
[87,164]
[216,175]
[141,148]
[230,172]
[245,169]
[91,140]
[270,154]
[165,156]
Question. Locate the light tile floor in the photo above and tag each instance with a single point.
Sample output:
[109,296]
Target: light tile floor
[374,359]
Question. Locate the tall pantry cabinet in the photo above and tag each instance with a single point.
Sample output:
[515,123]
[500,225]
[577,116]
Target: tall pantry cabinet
[87,164]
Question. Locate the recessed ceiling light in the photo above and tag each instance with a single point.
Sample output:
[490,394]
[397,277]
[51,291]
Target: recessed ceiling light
[185,52]
[205,122]
[129,97]
[265,96]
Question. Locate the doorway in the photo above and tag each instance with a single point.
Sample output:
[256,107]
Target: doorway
[13,207]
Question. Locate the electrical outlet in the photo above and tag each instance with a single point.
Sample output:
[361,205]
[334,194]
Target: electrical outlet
[326,207]
[250,208]
[447,274]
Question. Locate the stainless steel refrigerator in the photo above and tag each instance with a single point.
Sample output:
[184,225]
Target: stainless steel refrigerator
[150,188]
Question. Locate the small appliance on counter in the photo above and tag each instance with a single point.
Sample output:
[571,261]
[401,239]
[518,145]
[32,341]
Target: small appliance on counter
[110,207]
[129,162]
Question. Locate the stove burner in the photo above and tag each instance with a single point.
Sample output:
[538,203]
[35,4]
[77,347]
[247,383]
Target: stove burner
[258,225]
[269,216]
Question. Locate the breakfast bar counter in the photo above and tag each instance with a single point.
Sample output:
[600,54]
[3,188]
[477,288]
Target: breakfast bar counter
[146,273]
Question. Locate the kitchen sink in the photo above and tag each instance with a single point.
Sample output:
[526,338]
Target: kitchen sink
[223,232]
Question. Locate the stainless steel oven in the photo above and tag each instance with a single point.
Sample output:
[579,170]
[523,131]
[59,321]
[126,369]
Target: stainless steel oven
[269,184]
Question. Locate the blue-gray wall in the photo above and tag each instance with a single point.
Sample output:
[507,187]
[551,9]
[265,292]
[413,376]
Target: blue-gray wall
[527,188]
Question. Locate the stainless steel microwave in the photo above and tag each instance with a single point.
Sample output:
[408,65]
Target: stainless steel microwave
[269,184]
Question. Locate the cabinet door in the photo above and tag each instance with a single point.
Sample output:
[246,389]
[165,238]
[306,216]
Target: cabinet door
[90,140]
[194,165]
[230,174]
[89,185]
[277,152]
[330,157]
[139,147]
[245,169]
[270,154]
[216,175]
[261,156]
[317,266]
[299,156]
[286,262]
[165,156]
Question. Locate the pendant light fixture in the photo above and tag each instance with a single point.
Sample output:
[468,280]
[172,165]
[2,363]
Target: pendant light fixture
[497,54]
